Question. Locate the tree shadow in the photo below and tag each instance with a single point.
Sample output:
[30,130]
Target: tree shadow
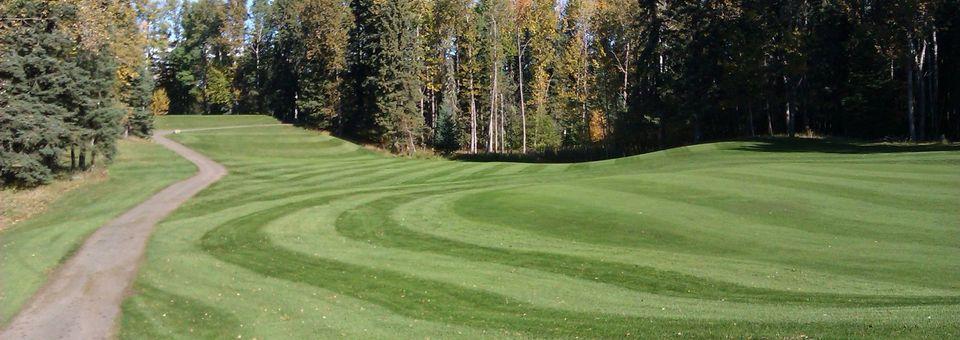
[841,146]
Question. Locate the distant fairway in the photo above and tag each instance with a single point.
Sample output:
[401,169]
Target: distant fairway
[310,236]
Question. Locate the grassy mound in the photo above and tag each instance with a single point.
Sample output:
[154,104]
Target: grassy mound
[311,236]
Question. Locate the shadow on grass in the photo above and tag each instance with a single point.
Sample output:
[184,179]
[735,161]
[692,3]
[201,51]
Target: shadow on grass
[559,155]
[841,146]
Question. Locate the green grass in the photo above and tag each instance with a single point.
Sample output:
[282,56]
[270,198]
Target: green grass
[31,249]
[204,122]
[310,236]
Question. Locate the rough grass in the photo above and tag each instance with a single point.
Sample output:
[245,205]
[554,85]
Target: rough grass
[31,249]
[310,236]
[19,204]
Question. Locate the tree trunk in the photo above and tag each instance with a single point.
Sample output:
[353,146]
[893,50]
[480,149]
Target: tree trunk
[657,103]
[922,107]
[523,103]
[769,120]
[935,86]
[93,152]
[626,78]
[585,86]
[789,114]
[491,124]
[922,103]
[296,106]
[696,128]
[910,64]
[203,80]
[503,127]
[73,159]
[473,118]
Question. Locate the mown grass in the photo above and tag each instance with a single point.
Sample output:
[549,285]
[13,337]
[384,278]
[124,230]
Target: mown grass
[310,236]
[205,122]
[31,249]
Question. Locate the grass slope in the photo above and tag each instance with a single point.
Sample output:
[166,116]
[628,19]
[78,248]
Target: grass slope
[206,122]
[31,249]
[310,236]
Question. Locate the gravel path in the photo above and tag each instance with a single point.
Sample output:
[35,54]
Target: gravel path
[82,298]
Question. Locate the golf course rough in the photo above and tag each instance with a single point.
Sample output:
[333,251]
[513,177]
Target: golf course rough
[310,236]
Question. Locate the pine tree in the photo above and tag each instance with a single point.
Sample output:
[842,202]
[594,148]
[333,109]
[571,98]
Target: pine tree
[324,37]
[139,119]
[39,97]
[398,64]
[100,114]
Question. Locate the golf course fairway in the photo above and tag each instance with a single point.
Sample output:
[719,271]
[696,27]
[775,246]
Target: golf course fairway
[310,236]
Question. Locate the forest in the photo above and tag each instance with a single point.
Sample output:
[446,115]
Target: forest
[526,75]
[476,76]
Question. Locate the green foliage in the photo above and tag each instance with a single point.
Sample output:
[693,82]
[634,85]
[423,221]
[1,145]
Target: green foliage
[99,119]
[49,101]
[65,89]
[198,60]
[139,116]
[657,73]
[545,132]
[397,63]
[218,90]
[319,40]
[445,134]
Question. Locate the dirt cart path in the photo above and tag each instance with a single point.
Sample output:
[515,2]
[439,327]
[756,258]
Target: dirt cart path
[82,298]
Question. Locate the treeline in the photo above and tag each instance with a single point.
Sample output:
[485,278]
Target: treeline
[73,78]
[477,76]
[521,75]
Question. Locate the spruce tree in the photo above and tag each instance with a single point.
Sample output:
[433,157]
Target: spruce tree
[40,81]
[100,112]
[138,120]
[322,42]
[398,64]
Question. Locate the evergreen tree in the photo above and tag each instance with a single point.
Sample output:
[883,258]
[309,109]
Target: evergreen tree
[324,31]
[139,119]
[397,63]
[100,114]
[40,95]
